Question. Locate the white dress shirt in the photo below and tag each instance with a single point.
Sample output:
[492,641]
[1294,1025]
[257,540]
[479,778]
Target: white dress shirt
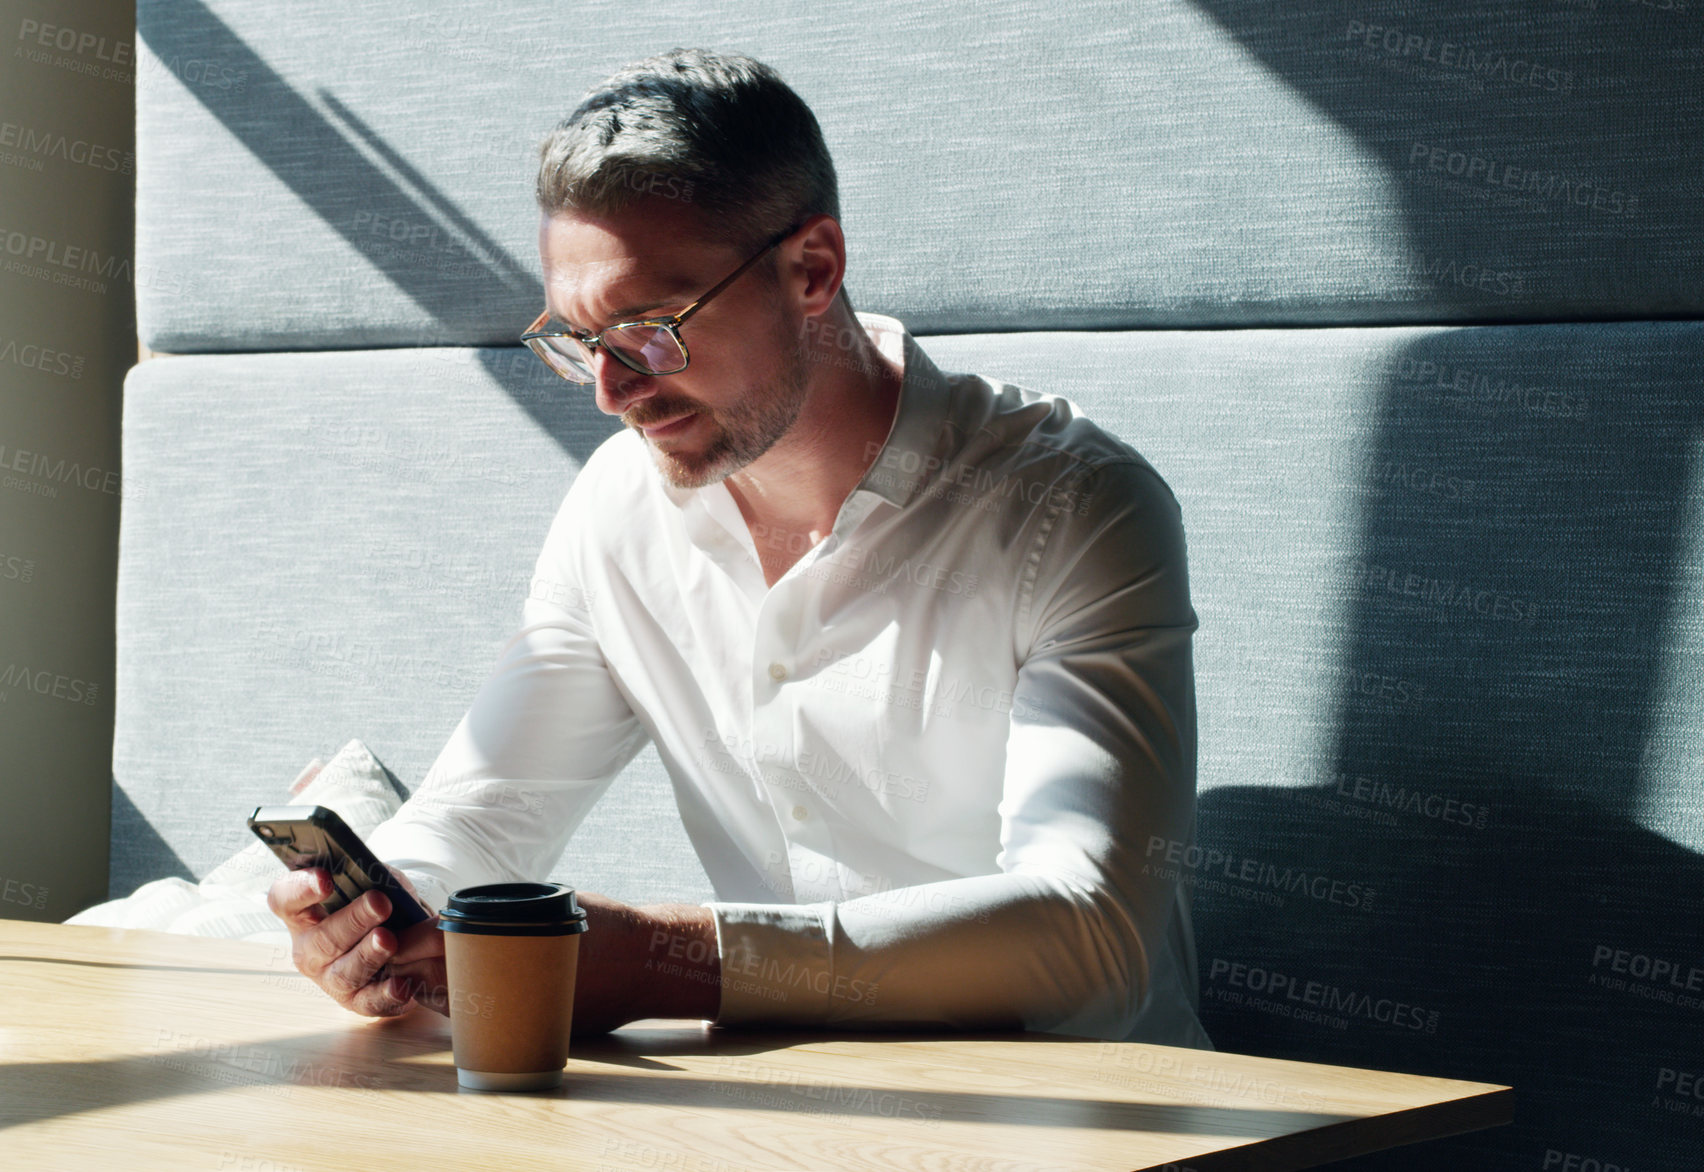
[933,773]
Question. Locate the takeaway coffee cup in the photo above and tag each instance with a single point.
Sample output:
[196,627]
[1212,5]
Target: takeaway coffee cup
[511,949]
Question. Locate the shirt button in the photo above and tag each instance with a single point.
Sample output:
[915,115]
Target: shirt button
[800,813]
[777,672]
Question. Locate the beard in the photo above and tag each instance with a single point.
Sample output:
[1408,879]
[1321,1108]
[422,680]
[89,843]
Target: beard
[740,433]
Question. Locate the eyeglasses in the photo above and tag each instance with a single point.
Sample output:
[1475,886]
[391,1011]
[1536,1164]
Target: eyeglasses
[652,346]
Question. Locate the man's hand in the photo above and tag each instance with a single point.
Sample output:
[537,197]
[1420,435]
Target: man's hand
[361,966]
[656,961]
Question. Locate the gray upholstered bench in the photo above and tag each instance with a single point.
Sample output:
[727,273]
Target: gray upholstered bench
[1445,550]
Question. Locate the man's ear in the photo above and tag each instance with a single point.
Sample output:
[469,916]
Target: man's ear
[814,264]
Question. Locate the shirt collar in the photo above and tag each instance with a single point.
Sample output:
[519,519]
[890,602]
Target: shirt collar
[914,447]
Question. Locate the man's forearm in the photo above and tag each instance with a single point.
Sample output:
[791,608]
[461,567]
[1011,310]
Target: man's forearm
[682,972]
[1014,950]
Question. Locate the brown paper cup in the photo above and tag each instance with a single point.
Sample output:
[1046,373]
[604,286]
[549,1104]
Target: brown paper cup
[511,950]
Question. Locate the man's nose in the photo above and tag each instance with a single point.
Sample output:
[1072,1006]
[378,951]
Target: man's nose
[619,386]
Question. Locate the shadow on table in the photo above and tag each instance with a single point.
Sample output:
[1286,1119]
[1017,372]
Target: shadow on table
[387,1056]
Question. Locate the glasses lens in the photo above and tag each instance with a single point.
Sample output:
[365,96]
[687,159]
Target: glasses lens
[649,349]
[566,356]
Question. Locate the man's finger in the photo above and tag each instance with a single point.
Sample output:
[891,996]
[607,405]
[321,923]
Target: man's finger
[427,981]
[354,969]
[333,937]
[385,998]
[419,942]
[434,997]
[299,892]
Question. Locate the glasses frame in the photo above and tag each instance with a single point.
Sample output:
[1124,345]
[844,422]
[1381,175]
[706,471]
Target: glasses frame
[534,337]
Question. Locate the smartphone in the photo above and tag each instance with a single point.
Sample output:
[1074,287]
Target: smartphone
[313,836]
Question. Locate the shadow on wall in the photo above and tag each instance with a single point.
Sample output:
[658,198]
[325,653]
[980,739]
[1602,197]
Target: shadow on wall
[1545,154]
[1492,908]
[1467,893]
[324,160]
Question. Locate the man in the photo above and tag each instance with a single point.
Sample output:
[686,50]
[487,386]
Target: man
[914,648]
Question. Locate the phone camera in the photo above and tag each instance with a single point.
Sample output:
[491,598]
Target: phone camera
[265,831]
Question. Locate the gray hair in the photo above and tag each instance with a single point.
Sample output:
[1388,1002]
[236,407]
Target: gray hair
[719,130]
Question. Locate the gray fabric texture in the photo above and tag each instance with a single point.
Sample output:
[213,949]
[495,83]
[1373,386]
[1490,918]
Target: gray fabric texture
[320,546]
[1451,725]
[352,174]
[1449,579]
[1450,603]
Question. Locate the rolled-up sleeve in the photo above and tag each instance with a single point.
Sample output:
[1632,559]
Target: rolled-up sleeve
[1081,932]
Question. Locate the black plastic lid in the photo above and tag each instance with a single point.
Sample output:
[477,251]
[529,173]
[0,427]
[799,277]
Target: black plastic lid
[514,909]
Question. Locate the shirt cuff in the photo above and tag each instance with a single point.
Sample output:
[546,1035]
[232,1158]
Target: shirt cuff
[777,968]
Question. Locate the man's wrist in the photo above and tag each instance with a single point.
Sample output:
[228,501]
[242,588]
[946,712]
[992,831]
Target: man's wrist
[682,969]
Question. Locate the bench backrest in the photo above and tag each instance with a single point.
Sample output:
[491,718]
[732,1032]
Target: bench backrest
[1404,305]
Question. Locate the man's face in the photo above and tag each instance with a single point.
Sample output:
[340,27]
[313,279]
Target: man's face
[745,383]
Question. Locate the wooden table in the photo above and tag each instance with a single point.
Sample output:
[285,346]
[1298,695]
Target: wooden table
[143,1050]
